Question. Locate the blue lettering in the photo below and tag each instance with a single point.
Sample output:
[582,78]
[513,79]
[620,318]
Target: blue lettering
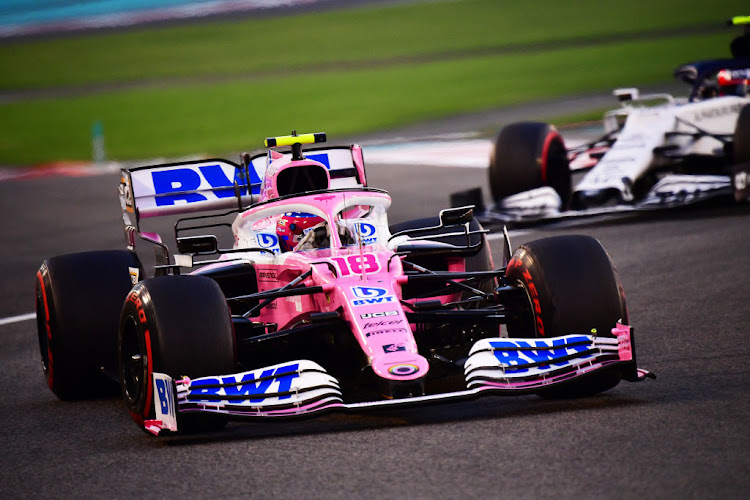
[250,386]
[376,300]
[176,181]
[322,158]
[267,240]
[510,358]
[198,393]
[161,389]
[180,180]
[539,351]
[368,291]
[286,374]
[215,176]
[366,230]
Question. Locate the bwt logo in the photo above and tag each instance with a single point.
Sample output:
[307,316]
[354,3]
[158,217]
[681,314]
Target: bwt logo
[540,351]
[367,232]
[371,295]
[235,391]
[267,240]
[367,292]
[185,181]
[165,396]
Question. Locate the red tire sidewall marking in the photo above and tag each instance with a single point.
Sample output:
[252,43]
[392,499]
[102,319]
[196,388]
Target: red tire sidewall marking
[536,307]
[141,321]
[50,370]
[551,136]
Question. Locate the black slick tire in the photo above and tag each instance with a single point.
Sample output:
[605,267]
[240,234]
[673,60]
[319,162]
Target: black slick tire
[529,155]
[573,288]
[180,326]
[741,138]
[78,302]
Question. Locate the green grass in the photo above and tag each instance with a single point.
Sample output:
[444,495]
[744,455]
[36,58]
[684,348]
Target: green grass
[237,113]
[250,46]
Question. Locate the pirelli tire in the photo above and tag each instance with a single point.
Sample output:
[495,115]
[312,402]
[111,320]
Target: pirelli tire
[741,139]
[479,261]
[529,155]
[180,326]
[78,301]
[741,160]
[572,287]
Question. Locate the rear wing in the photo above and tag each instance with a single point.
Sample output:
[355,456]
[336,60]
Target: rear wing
[215,184]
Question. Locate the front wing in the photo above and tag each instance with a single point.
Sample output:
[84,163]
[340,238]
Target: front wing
[543,204]
[302,387]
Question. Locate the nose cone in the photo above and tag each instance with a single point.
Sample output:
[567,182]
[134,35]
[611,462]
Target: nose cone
[401,373]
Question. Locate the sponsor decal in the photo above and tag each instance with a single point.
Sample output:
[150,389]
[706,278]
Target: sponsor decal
[368,295]
[246,387]
[717,112]
[367,233]
[164,396]
[184,181]
[135,275]
[394,347]
[126,193]
[538,351]
[320,157]
[267,275]
[387,330]
[325,197]
[533,293]
[267,240]
[383,323]
[378,314]
[367,292]
[403,369]
[297,301]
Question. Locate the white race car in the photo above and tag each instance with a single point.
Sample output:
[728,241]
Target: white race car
[658,151]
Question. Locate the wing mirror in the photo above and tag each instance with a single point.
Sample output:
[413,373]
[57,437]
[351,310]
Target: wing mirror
[198,244]
[456,216]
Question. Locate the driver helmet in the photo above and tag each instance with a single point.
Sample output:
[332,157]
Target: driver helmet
[291,227]
[734,82]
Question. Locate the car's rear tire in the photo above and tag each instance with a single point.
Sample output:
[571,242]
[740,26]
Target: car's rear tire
[180,326]
[573,288]
[741,139]
[529,155]
[78,302]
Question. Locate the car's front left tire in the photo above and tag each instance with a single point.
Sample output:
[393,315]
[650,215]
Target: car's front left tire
[179,326]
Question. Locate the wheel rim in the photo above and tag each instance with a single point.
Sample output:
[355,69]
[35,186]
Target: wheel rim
[134,362]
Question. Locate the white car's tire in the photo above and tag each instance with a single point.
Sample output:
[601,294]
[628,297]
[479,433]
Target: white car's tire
[529,155]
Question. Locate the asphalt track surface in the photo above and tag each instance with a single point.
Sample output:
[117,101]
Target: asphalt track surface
[683,435]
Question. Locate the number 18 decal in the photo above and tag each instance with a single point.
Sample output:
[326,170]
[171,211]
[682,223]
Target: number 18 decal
[357,264]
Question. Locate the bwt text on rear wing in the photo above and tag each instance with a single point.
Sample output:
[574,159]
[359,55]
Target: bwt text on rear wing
[216,184]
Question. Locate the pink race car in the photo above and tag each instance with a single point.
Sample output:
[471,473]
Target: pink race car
[319,305]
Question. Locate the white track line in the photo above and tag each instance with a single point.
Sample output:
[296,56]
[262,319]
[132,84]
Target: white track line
[17,319]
